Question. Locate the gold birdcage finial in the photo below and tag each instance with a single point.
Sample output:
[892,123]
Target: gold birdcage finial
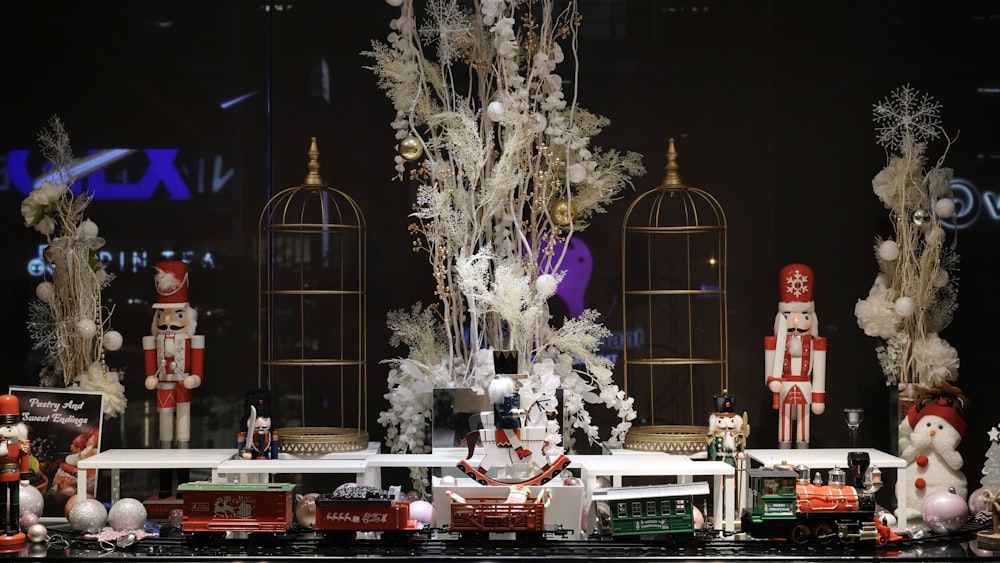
[673,177]
[312,177]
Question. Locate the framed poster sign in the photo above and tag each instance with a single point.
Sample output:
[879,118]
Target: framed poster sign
[64,426]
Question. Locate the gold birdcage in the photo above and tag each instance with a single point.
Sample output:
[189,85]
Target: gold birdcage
[312,339]
[674,313]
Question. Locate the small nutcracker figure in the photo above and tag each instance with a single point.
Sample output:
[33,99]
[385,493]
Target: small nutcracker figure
[174,354]
[795,357]
[727,442]
[258,441]
[14,470]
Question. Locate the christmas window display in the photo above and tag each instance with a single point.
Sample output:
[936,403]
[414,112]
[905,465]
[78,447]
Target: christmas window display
[506,176]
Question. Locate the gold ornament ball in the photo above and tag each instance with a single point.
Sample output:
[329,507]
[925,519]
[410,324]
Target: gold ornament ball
[410,148]
[562,212]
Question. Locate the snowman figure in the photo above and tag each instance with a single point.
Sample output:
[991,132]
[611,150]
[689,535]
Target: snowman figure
[937,426]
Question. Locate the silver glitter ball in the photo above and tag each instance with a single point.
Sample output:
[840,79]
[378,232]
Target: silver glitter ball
[88,515]
[127,514]
[921,217]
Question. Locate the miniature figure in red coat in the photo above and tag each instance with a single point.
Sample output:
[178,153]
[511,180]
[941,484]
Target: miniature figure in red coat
[174,353]
[258,441]
[795,358]
[14,471]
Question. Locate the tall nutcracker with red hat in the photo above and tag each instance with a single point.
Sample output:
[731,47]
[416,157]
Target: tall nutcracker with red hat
[14,470]
[174,354]
[795,358]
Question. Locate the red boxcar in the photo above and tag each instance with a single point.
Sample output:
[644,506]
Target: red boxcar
[230,507]
[496,515]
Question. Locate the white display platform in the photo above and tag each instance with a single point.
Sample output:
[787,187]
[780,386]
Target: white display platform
[255,470]
[828,458]
[653,464]
[437,460]
[153,458]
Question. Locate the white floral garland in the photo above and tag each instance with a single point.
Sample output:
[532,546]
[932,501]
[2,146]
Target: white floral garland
[499,146]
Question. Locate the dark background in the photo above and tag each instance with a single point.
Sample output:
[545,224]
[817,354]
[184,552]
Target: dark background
[769,102]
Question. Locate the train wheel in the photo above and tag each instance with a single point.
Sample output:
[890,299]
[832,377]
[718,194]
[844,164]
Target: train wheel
[799,534]
[823,532]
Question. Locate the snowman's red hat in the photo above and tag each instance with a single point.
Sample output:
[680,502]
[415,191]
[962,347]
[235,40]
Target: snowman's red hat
[938,408]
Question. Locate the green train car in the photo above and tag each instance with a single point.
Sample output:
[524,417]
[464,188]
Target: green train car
[649,510]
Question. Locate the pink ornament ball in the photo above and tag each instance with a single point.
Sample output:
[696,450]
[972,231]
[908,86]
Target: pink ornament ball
[28,519]
[944,511]
[976,502]
[699,518]
[572,482]
[422,511]
[37,533]
[305,510]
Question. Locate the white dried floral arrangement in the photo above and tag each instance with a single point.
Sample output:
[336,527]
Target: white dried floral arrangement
[68,321]
[506,175]
[915,293]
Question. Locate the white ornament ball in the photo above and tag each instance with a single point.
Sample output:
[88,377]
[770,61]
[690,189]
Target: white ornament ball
[698,518]
[448,481]
[31,499]
[546,285]
[113,341]
[88,515]
[905,306]
[945,208]
[37,533]
[86,328]
[422,511]
[944,511]
[888,250]
[127,514]
[494,111]
[394,3]
[88,228]
[43,291]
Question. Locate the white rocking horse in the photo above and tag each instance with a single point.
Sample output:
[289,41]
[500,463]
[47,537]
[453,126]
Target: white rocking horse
[512,440]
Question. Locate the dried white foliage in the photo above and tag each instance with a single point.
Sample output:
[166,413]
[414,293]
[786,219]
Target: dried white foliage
[916,292]
[487,183]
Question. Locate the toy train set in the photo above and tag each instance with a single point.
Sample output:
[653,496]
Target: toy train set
[781,504]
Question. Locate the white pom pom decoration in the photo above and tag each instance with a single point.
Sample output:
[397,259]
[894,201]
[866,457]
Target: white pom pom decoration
[546,285]
[112,340]
[394,3]
[888,250]
[494,111]
[44,291]
[940,278]
[89,228]
[934,235]
[905,306]
[945,208]
[86,328]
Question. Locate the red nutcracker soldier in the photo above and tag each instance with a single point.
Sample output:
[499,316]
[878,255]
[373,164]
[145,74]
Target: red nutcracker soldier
[795,358]
[174,353]
[13,471]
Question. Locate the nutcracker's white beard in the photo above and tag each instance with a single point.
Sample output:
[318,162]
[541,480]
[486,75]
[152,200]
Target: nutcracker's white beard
[795,345]
[730,442]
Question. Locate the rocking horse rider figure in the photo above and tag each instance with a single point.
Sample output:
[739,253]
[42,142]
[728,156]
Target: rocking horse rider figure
[508,414]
